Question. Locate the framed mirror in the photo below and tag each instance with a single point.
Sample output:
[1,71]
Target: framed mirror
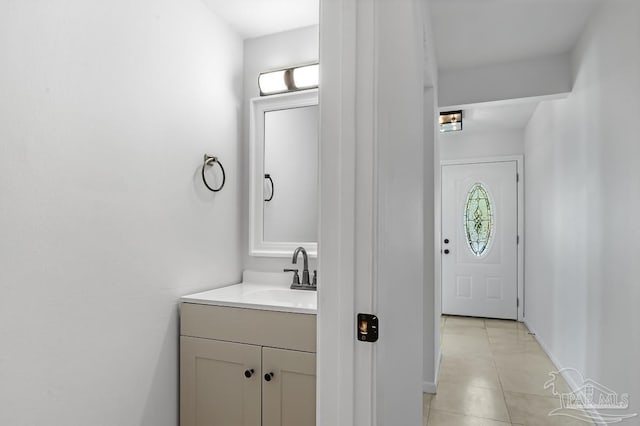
[284,174]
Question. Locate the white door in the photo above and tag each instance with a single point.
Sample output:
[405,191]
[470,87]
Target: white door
[479,240]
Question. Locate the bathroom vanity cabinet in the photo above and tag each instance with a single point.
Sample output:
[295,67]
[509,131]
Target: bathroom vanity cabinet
[246,367]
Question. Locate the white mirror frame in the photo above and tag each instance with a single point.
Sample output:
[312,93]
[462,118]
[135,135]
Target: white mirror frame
[259,106]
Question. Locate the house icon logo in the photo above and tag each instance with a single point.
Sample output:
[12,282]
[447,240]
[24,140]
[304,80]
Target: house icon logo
[591,401]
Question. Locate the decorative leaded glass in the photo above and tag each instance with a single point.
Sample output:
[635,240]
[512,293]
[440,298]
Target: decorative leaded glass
[478,219]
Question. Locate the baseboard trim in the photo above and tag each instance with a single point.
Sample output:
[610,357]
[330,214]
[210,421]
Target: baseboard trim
[598,420]
[432,387]
[438,366]
[429,387]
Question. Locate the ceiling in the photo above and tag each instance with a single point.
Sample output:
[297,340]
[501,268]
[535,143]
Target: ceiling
[467,33]
[509,116]
[479,32]
[255,18]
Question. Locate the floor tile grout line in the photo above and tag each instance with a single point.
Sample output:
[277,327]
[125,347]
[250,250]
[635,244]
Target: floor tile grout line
[504,397]
[533,394]
[470,415]
[426,421]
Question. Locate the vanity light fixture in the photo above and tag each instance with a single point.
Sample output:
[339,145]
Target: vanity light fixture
[450,121]
[289,80]
[273,82]
[306,77]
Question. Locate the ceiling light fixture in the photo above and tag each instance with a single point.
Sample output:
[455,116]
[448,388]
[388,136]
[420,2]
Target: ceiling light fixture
[450,121]
[289,80]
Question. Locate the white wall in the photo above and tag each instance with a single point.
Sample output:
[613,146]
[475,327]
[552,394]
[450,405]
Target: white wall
[289,48]
[399,201]
[106,111]
[582,203]
[466,145]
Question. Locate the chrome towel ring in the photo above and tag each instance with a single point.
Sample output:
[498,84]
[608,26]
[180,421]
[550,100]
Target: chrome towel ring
[208,161]
[273,188]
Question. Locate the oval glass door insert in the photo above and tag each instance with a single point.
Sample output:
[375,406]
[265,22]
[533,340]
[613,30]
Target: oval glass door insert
[478,220]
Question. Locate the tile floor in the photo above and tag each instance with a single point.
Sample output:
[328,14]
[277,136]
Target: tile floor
[492,373]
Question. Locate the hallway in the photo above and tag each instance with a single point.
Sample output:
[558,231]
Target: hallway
[492,373]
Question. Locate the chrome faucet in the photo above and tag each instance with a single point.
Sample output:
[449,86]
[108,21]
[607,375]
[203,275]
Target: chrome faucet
[305,285]
[305,271]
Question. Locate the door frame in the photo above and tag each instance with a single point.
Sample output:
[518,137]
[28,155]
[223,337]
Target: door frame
[519,159]
[364,251]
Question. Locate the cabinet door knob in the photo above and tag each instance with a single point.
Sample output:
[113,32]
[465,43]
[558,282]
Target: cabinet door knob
[446,251]
[268,377]
[249,373]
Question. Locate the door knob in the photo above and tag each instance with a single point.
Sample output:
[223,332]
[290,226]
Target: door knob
[248,373]
[268,377]
[446,251]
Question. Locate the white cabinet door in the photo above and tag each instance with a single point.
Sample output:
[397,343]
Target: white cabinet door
[479,247]
[289,391]
[214,387]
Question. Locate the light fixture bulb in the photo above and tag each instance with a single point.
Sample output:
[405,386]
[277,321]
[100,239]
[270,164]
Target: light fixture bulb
[306,77]
[272,82]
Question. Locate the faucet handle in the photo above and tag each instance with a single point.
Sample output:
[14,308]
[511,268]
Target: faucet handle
[314,281]
[296,277]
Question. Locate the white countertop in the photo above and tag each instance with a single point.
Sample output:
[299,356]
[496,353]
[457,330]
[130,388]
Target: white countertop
[267,291]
